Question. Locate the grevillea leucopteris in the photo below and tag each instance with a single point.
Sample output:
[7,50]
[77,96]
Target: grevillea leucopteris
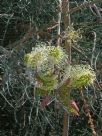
[52,69]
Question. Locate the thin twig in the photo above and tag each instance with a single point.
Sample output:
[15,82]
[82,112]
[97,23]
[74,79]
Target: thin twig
[6,15]
[80,52]
[90,120]
[95,11]
[7,100]
[59,22]
[84,5]
[96,58]
[93,50]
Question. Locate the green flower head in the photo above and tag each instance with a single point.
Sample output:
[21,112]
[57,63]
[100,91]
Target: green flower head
[55,54]
[82,75]
[72,35]
[35,58]
[48,62]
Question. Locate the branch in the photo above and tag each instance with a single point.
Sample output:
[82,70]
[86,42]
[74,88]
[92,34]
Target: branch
[6,15]
[90,119]
[80,52]
[66,21]
[59,23]
[84,5]
[96,11]
[93,50]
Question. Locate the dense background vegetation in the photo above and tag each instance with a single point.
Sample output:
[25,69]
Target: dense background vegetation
[24,23]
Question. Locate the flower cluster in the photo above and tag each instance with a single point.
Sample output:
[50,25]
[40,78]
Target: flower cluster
[82,75]
[48,69]
[53,70]
[72,35]
[48,62]
[36,57]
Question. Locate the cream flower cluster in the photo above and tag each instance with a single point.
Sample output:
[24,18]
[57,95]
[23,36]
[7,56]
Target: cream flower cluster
[72,35]
[82,75]
[53,69]
[48,61]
